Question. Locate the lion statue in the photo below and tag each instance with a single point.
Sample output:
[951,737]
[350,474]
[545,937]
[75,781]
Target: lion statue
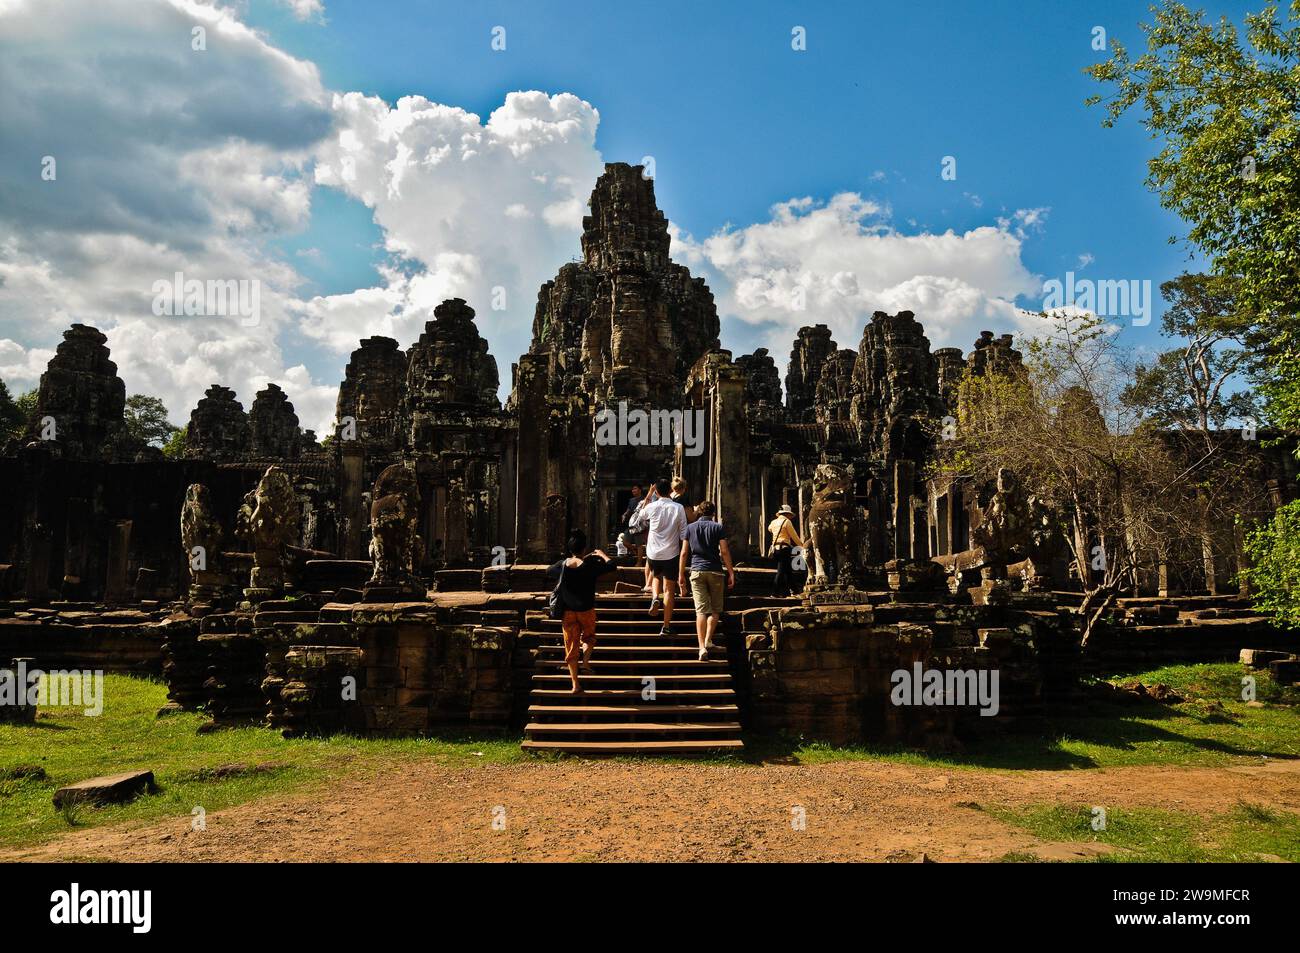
[836,529]
[395,544]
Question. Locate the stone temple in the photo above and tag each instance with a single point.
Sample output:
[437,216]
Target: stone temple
[407,551]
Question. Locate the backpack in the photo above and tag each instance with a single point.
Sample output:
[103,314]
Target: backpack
[555,601]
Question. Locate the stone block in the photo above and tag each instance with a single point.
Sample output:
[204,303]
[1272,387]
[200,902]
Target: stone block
[108,789]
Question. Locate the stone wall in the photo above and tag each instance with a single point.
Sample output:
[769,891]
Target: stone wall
[825,672]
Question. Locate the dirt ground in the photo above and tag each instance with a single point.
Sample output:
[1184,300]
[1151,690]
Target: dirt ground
[643,811]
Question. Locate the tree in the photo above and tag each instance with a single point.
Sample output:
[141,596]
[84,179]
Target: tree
[1274,570]
[12,420]
[1185,387]
[175,446]
[1228,115]
[1104,479]
[146,420]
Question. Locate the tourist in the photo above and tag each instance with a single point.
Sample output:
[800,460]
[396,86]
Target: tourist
[679,496]
[575,578]
[665,521]
[705,545]
[784,540]
[636,541]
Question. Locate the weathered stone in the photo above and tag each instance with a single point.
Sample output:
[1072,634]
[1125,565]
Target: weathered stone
[80,402]
[108,789]
[395,540]
[218,428]
[273,426]
[274,527]
[808,358]
[835,529]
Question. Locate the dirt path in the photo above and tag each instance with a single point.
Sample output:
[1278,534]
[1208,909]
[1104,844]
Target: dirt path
[619,811]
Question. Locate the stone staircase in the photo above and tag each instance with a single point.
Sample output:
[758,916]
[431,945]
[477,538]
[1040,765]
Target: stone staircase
[650,694]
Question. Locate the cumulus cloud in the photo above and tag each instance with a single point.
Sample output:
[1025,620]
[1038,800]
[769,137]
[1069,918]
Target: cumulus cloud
[485,211]
[836,262]
[161,158]
[171,159]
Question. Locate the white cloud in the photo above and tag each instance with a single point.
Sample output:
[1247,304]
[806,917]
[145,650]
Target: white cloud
[306,9]
[167,159]
[476,206]
[842,259]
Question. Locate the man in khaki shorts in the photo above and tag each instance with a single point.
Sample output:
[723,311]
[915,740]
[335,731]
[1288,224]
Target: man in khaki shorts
[705,550]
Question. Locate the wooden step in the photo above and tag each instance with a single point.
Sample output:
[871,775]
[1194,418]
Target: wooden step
[635,747]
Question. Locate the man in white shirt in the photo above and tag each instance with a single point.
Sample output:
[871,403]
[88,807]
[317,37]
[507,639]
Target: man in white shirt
[666,520]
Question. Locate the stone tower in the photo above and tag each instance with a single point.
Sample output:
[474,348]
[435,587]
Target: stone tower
[81,399]
[218,428]
[370,396]
[273,425]
[812,349]
[626,324]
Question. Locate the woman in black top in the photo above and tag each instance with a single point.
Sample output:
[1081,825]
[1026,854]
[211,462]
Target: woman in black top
[576,578]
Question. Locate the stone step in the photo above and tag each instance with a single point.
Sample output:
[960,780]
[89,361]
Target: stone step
[722,677]
[631,710]
[631,728]
[684,651]
[598,696]
[677,637]
[649,666]
[644,624]
[635,747]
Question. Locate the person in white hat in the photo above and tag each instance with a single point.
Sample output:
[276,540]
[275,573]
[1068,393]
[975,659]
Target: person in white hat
[784,540]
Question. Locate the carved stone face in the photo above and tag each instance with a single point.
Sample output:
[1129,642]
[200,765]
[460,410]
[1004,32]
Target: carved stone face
[831,482]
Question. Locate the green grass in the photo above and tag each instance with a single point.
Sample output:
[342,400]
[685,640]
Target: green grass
[69,746]
[1247,833]
[1212,726]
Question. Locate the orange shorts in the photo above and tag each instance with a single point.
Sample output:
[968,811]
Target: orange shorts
[578,627]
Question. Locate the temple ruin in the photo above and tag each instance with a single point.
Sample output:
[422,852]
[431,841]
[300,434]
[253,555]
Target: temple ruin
[262,568]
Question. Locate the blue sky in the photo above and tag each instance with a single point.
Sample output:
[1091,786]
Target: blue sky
[737,121]
[816,170]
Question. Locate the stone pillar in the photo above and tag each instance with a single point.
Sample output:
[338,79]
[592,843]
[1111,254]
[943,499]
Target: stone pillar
[455,529]
[119,552]
[530,459]
[76,549]
[728,453]
[40,546]
[904,475]
[352,505]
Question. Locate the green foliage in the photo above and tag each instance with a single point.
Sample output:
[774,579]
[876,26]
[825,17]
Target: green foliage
[1227,113]
[1186,387]
[12,420]
[1273,550]
[174,448]
[146,420]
